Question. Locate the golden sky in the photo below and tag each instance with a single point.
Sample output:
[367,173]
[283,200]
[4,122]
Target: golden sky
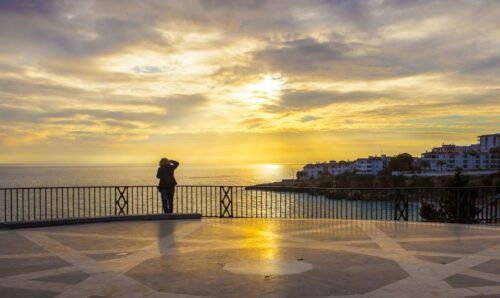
[234,82]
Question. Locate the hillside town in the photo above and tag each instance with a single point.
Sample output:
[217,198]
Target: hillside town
[480,158]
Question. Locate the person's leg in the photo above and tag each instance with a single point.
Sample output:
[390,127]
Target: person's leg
[171,193]
[164,200]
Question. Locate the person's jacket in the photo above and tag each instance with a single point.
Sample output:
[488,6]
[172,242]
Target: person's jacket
[166,175]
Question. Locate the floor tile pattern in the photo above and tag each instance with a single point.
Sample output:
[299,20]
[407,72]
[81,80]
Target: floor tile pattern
[252,257]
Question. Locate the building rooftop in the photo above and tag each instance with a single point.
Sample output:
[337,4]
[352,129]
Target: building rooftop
[489,135]
[252,257]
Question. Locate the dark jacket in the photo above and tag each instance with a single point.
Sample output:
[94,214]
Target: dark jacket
[166,175]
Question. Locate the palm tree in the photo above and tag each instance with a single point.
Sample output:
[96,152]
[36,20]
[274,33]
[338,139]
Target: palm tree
[495,150]
[441,163]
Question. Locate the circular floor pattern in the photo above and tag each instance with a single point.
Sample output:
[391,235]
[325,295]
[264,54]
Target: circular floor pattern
[268,267]
[205,273]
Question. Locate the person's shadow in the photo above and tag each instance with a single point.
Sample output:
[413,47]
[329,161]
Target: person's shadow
[166,229]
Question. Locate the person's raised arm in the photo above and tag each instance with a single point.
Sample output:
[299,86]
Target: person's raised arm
[174,163]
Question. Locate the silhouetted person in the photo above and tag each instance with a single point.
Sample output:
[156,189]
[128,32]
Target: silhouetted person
[167,183]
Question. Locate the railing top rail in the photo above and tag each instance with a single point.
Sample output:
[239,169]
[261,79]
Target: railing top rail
[374,188]
[261,187]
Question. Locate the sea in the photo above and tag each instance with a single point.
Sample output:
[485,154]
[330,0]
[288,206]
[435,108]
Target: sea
[52,175]
[17,204]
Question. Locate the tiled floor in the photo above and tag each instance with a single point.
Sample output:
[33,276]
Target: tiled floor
[248,258]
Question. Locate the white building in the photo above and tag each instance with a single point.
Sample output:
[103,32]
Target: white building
[484,156]
[312,171]
[490,151]
[476,157]
[371,165]
[341,167]
[333,168]
[487,142]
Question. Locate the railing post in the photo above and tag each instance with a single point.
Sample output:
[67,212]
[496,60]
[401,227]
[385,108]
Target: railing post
[495,206]
[400,206]
[121,200]
[226,201]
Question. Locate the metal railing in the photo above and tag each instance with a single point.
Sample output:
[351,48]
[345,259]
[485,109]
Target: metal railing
[470,204]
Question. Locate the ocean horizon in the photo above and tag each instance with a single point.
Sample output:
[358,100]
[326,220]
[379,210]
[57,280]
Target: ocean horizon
[45,175]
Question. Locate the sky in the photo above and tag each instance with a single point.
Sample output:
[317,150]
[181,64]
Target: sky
[238,82]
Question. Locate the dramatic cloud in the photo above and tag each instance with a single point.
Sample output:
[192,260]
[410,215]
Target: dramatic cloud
[309,118]
[101,77]
[312,99]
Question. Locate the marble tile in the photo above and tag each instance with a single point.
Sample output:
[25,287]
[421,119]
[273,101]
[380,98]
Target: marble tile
[25,293]
[452,246]
[87,242]
[492,266]
[67,278]
[12,243]
[464,281]
[27,265]
[438,259]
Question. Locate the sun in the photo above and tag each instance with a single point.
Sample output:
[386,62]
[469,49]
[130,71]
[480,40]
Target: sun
[270,169]
[265,91]
[269,84]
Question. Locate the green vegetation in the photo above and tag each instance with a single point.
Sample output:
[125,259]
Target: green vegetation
[386,180]
[456,204]
[401,162]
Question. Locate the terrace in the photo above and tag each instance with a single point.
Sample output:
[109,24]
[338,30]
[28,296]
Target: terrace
[252,257]
[249,242]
